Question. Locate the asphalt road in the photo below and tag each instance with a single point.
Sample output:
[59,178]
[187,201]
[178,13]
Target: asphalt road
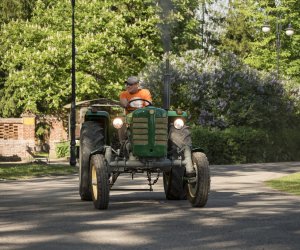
[241,213]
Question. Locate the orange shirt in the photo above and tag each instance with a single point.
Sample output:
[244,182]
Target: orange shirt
[141,94]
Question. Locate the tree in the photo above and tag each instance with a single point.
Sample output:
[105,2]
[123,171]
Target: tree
[244,37]
[114,39]
[16,9]
[224,92]
[36,54]
[239,28]
[213,15]
[186,30]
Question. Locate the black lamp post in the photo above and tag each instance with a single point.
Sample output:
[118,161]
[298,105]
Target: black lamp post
[289,32]
[73,101]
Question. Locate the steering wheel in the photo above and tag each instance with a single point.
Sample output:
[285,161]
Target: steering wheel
[139,99]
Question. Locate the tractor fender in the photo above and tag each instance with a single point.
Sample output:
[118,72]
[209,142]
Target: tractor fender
[97,151]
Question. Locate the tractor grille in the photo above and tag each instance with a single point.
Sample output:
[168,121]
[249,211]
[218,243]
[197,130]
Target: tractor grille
[146,131]
[161,131]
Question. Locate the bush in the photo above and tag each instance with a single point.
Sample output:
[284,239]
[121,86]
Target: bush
[283,145]
[247,145]
[224,92]
[62,149]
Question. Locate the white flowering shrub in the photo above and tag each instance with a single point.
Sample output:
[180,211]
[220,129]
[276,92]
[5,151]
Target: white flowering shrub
[223,92]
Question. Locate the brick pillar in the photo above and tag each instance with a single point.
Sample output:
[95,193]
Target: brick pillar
[57,134]
[28,132]
[28,126]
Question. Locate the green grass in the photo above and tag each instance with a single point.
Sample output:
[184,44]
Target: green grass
[289,184]
[24,171]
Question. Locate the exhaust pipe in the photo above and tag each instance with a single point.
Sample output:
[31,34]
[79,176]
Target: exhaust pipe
[166,7]
[167,77]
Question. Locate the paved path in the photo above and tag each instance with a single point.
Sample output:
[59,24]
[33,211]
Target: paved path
[242,213]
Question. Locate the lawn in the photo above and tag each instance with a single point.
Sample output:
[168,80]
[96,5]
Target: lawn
[30,170]
[289,183]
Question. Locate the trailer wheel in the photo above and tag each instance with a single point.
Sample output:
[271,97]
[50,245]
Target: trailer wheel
[99,181]
[197,192]
[91,138]
[174,184]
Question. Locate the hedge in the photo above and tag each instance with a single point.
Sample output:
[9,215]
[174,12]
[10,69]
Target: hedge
[237,145]
[247,145]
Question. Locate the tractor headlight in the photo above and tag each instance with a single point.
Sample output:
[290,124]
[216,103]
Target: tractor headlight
[178,123]
[118,123]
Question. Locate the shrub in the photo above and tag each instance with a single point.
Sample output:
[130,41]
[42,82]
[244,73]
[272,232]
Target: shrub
[247,145]
[62,149]
[283,145]
[224,92]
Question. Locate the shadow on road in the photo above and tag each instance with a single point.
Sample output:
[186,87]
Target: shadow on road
[279,167]
[47,213]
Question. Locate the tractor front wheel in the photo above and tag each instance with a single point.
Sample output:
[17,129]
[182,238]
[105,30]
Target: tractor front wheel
[198,190]
[174,184]
[99,181]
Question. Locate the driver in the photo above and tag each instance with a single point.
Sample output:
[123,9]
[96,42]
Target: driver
[134,91]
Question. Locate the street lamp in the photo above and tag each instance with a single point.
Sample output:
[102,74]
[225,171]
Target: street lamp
[266,28]
[289,32]
[73,101]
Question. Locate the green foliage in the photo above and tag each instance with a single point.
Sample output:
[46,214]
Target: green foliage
[114,39]
[213,15]
[183,23]
[62,149]
[247,145]
[233,145]
[223,92]
[244,37]
[35,65]
[283,145]
[15,9]
[240,28]
[42,130]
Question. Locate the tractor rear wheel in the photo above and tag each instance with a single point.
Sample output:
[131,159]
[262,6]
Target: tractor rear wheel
[99,181]
[197,192]
[91,138]
[174,184]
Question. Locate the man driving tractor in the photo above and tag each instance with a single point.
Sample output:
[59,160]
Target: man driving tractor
[134,97]
[134,91]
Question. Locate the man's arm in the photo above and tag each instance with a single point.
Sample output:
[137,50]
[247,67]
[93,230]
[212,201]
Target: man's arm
[123,102]
[147,96]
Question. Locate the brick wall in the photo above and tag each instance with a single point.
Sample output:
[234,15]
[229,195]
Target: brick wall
[16,136]
[58,134]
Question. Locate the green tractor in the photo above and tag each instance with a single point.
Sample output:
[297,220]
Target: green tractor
[158,142]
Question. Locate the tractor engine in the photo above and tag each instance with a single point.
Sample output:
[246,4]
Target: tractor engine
[148,133]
